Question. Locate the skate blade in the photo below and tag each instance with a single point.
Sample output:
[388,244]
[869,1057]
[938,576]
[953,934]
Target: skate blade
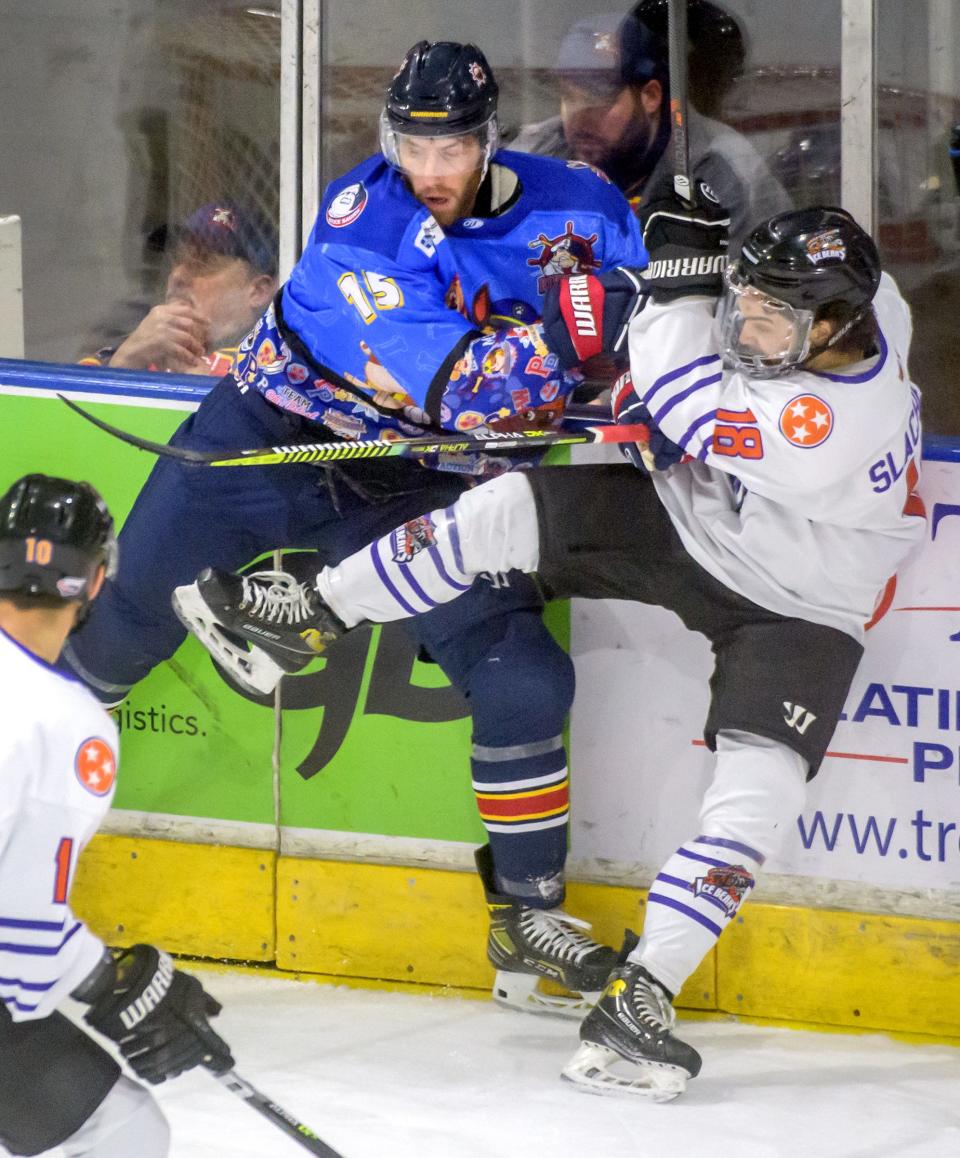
[525,992]
[591,1069]
[253,670]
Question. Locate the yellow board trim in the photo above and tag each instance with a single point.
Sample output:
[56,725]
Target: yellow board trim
[204,900]
[363,923]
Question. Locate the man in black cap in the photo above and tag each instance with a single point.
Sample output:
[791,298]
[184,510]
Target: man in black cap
[222,276]
[614,110]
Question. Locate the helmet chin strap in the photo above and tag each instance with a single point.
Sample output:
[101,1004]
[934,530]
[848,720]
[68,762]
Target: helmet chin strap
[815,352]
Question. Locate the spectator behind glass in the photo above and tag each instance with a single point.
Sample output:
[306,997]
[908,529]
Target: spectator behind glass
[223,274]
[614,110]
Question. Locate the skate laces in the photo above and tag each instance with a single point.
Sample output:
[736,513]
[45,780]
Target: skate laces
[556,933]
[277,597]
[650,1004]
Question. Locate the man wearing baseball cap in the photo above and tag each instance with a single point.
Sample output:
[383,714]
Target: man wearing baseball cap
[223,274]
[613,75]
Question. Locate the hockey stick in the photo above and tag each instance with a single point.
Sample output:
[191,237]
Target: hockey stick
[677,49]
[280,1117]
[325,452]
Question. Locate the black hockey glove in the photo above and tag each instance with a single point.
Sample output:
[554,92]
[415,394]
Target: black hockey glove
[157,1015]
[687,246]
[585,316]
[659,453]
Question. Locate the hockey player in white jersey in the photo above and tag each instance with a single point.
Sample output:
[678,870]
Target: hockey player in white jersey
[784,446]
[58,766]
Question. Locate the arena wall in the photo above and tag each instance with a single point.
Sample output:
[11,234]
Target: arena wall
[334,836]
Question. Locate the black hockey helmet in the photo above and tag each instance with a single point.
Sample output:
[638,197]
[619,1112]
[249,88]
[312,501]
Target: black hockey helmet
[54,535]
[792,268]
[441,89]
[808,257]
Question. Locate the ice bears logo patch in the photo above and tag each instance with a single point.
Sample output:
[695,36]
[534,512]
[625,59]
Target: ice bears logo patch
[412,538]
[806,421]
[726,884]
[347,206]
[95,766]
[826,246]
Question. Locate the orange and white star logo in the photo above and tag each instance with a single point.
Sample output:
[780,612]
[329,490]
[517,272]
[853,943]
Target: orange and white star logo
[806,421]
[96,766]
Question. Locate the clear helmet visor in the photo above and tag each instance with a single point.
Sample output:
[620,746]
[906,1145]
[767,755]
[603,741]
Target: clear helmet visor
[759,334]
[431,152]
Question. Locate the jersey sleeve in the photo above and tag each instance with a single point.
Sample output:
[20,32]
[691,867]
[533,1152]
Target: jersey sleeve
[760,431]
[45,951]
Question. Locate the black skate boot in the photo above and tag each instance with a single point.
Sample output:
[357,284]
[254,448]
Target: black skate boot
[527,946]
[631,1027]
[285,620]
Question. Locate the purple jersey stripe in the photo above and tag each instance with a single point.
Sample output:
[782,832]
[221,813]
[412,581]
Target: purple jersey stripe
[872,373]
[387,581]
[19,1005]
[676,399]
[36,986]
[733,845]
[41,926]
[694,427]
[656,899]
[702,859]
[679,373]
[37,950]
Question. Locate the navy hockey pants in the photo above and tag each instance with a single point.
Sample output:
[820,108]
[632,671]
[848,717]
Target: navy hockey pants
[491,643]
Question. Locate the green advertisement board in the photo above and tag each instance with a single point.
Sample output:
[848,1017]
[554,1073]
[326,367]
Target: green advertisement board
[369,739]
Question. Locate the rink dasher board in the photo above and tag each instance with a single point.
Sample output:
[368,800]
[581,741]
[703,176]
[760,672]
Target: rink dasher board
[229,894]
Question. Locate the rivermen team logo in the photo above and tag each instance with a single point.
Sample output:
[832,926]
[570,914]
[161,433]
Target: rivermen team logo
[568,253]
[726,884]
[806,421]
[95,766]
[347,206]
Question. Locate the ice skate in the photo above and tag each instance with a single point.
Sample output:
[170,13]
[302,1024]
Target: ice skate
[530,946]
[258,627]
[627,1044]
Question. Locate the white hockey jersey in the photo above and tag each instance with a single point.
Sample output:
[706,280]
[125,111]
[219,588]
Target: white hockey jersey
[801,490]
[58,764]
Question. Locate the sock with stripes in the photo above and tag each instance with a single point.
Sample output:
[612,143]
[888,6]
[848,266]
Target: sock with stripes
[436,557]
[692,900]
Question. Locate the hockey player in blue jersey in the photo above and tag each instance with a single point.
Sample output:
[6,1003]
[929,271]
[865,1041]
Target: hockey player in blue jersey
[413,307]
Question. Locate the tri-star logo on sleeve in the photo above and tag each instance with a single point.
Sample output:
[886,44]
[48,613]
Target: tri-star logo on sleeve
[806,421]
[96,766]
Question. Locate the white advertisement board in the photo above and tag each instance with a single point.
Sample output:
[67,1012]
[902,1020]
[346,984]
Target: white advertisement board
[884,812]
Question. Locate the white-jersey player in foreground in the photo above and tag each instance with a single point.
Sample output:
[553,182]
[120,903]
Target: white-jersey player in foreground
[58,763]
[785,440]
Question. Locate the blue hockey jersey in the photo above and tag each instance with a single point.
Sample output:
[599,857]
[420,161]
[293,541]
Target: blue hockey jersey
[389,322]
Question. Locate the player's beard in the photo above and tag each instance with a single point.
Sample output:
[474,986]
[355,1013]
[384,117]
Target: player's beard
[447,201]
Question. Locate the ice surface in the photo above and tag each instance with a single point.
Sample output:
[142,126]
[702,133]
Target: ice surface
[398,1075]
